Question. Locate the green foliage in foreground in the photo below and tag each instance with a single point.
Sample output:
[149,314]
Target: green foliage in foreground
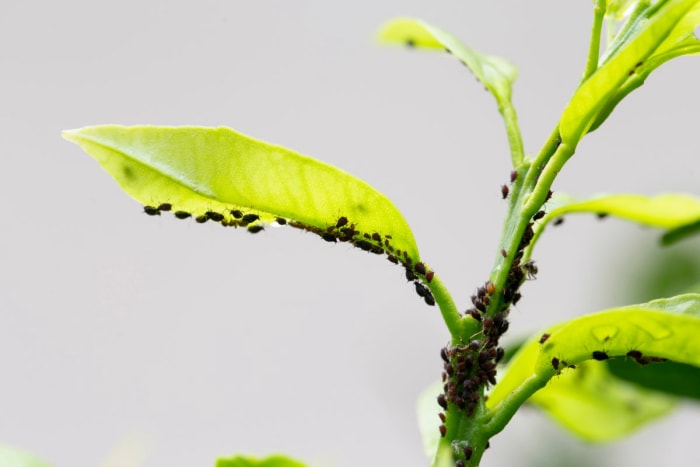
[571,370]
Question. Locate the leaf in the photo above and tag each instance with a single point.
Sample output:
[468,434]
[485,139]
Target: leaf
[496,73]
[428,421]
[595,406]
[660,329]
[670,212]
[663,29]
[223,175]
[681,233]
[676,379]
[13,457]
[271,461]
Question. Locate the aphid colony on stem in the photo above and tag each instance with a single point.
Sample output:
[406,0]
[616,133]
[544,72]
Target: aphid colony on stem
[342,231]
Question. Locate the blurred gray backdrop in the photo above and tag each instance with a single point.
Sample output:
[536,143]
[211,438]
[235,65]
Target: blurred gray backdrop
[127,340]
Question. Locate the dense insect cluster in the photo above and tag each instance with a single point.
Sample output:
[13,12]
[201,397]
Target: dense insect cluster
[342,231]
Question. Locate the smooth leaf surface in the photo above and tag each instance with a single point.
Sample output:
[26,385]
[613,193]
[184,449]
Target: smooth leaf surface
[200,171]
[428,421]
[13,457]
[271,461]
[661,329]
[676,379]
[496,73]
[595,406]
[681,233]
[662,28]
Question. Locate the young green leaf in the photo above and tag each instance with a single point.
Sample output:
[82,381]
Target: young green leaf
[660,329]
[676,213]
[495,73]
[13,457]
[595,406]
[428,422]
[680,233]
[676,379]
[663,31]
[246,461]
[240,181]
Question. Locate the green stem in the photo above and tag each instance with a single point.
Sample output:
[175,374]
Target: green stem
[447,306]
[504,412]
[594,46]
[515,140]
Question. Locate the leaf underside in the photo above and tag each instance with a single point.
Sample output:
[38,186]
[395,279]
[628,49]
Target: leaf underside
[648,333]
[221,175]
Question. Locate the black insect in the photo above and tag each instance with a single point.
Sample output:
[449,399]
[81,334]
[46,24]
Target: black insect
[600,355]
[329,237]
[341,222]
[410,276]
[555,363]
[421,290]
[151,210]
[420,268]
[444,354]
[558,221]
[429,299]
[544,338]
[215,216]
[182,214]
[474,345]
[429,276]
[530,269]
[281,220]
[538,215]
[442,417]
[165,207]
[499,354]
[442,402]
[513,176]
[236,214]
[202,219]
[256,228]
[249,218]
[468,451]
[504,253]
[504,191]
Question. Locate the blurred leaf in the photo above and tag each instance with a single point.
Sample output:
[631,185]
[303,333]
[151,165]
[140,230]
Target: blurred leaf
[660,329]
[271,461]
[220,174]
[13,457]
[672,378]
[595,406]
[496,73]
[664,30]
[428,422]
[681,233]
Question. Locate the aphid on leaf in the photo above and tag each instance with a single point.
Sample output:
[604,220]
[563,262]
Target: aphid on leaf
[544,338]
[341,222]
[410,276]
[256,228]
[248,218]
[555,363]
[236,214]
[443,430]
[538,215]
[504,253]
[429,299]
[420,268]
[504,191]
[202,219]
[442,402]
[165,207]
[429,275]
[281,220]
[421,290]
[600,355]
[151,210]
[500,352]
[329,237]
[182,214]
[513,176]
[215,216]
[468,451]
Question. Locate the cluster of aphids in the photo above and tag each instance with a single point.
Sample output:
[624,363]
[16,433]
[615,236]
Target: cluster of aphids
[237,217]
[342,231]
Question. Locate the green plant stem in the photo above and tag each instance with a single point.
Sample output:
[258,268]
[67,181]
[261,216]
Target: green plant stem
[594,46]
[544,182]
[515,140]
[500,415]
[447,306]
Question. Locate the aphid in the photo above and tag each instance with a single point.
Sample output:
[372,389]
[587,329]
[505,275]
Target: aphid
[165,207]
[248,218]
[329,237]
[341,222]
[420,268]
[429,275]
[363,245]
[468,451]
[600,355]
[636,354]
[504,191]
[504,326]
[442,402]
[442,417]
[444,354]
[555,363]
[281,220]
[500,352]
[513,176]
[429,299]
[421,290]
[255,228]
[488,322]
[449,369]
[151,210]
[549,195]
[459,463]
[530,269]
[411,43]
[202,219]
[474,314]
[215,216]
[410,276]
[516,298]
[538,215]
[474,345]
[504,253]
[392,259]
[376,237]
[602,215]
[490,288]
[182,214]
[544,338]
[443,430]
[236,214]
[558,221]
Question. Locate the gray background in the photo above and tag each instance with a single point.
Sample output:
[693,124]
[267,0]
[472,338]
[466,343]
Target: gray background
[125,335]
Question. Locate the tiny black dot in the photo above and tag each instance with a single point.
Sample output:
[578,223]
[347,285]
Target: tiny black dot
[600,355]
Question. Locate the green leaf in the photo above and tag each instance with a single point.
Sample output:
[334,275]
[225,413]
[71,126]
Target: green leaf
[222,175]
[676,379]
[595,406]
[271,461]
[660,329]
[496,73]
[663,31]
[428,421]
[13,457]
[681,233]
[675,213]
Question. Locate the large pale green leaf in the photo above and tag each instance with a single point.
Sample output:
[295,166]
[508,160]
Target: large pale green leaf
[672,378]
[246,461]
[661,329]
[496,73]
[663,31]
[428,421]
[222,175]
[13,457]
[596,406]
